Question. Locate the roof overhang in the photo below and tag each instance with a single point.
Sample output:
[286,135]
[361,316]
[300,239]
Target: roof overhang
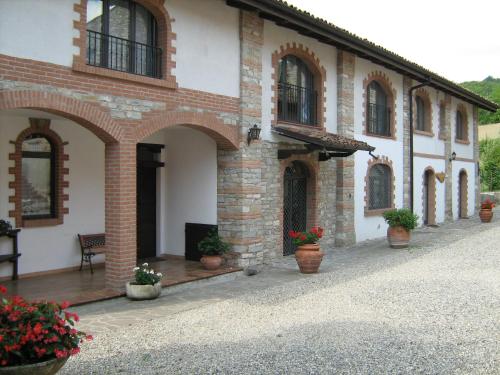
[329,144]
[306,24]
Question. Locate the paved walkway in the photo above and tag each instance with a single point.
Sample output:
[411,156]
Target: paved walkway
[433,308]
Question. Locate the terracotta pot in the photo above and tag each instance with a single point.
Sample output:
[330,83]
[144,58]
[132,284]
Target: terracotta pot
[309,258]
[50,367]
[143,292]
[398,237]
[211,262]
[485,215]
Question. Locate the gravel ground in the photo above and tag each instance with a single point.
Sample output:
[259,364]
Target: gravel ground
[431,310]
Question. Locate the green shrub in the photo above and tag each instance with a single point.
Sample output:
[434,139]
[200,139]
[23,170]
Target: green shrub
[401,217]
[213,244]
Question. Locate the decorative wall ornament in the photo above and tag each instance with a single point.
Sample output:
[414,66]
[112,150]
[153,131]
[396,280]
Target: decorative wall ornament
[440,176]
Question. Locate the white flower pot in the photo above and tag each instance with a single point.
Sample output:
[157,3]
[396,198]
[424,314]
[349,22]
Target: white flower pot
[142,292]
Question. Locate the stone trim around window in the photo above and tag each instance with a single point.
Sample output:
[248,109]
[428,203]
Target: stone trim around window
[442,130]
[165,41]
[313,63]
[386,84]
[461,108]
[39,126]
[385,161]
[423,94]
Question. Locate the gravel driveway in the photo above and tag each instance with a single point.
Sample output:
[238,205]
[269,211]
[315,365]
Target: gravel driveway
[432,309]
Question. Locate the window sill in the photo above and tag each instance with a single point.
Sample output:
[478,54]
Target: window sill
[37,223]
[388,137]
[462,141]
[169,83]
[423,132]
[378,212]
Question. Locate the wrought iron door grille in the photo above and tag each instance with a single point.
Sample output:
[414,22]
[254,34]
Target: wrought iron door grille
[123,55]
[294,204]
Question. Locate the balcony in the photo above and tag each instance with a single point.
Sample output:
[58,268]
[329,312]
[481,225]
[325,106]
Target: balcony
[297,104]
[123,55]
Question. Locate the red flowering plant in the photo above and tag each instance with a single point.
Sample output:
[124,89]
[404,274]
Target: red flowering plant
[32,332]
[304,238]
[487,204]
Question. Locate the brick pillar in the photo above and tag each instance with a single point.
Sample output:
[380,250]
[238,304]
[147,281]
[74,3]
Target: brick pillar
[407,84]
[448,187]
[120,193]
[240,172]
[345,233]
[475,140]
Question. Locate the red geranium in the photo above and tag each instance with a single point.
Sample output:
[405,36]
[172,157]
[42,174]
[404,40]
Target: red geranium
[303,238]
[487,204]
[32,332]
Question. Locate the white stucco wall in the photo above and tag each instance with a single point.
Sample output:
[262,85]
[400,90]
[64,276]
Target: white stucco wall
[54,247]
[38,30]
[274,38]
[188,183]
[368,227]
[207,45]
[419,166]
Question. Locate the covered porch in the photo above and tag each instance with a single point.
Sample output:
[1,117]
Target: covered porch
[83,287]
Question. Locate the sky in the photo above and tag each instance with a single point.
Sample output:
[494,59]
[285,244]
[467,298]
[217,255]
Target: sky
[459,39]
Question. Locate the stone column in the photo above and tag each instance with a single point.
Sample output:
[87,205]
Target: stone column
[239,175]
[448,188]
[345,232]
[475,140]
[407,84]
[120,196]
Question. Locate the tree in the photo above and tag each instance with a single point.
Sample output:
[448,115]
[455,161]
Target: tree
[489,164]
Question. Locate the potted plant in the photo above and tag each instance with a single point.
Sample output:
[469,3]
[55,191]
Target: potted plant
[212,247]
[401,221]
[308,254]
[486,213]
[36,337]
[147,284]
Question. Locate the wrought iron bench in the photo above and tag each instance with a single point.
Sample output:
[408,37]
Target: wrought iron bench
[91,245]
[14,256]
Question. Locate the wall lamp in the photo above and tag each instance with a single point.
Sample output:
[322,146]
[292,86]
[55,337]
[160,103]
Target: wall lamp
[453,156]
[253,133]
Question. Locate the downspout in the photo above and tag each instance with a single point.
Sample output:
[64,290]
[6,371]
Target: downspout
[411,137]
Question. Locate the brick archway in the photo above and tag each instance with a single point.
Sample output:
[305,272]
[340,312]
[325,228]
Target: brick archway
[463,194]
[88,115]
[429,204]
[227,137]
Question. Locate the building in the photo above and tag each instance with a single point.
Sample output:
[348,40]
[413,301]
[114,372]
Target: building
[489,131]
[132,118]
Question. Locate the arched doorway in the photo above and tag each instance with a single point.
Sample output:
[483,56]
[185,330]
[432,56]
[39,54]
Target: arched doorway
[462,194]
[294,203]
[429,198]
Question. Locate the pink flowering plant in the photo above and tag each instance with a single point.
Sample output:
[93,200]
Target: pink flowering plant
[304,238]
[146,276]
[32,332]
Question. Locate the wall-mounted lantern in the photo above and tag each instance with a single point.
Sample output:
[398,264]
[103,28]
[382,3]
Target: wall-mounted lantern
[453,156]
[253,133]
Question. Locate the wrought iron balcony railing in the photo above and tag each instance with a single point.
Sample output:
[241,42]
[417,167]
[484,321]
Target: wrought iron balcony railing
[379,120]
[123,55]
[297,104]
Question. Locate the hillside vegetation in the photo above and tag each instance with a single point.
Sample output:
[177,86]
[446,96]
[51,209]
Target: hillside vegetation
[488,88]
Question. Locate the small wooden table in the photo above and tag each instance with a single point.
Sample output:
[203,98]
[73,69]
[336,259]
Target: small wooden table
[13,258]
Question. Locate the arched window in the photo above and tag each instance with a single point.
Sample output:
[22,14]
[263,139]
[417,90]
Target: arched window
[37,178]
[379,187]
[297,97]
[420,109]
[378,110]
[122,35]
[460,126]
